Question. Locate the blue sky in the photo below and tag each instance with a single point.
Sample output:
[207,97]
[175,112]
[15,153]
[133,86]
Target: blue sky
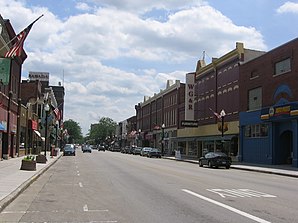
[109,54]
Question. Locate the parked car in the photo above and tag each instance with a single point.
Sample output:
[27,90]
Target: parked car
[154,153]
[101,148]
[131,149]
[137,150]
[69,150]
[145,151]
[215,159]
[87,149]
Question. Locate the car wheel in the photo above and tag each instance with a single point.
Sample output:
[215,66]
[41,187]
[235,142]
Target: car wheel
[209,164]
[227,166]
[200,163]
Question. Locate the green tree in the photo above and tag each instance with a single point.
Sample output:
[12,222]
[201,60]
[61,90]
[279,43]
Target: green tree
[106,127]
[74,131]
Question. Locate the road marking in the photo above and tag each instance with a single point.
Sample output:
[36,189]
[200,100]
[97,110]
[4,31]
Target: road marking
[80,184]
[239,193]
[85,208]
[260,220]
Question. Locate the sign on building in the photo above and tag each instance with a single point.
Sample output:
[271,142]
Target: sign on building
[41,76]
[189,96]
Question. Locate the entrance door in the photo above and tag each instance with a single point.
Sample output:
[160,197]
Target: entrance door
[285,148]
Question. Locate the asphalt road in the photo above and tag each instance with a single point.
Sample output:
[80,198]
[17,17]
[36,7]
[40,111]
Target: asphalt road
[113,187]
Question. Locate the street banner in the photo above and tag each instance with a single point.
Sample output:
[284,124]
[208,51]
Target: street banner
[5,70]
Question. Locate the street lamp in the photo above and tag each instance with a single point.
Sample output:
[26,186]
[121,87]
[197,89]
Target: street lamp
[162,138]
[222,115]
[139,137]
[47,109]
[57,126]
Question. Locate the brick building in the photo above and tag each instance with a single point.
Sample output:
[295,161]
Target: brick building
[9,92]
[163,109]
[216,89]
[269,107]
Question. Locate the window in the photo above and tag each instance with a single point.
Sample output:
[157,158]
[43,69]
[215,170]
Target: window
[283,66]
[255,99]
[256,131]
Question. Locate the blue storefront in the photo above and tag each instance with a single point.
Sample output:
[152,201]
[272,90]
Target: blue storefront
[269,135]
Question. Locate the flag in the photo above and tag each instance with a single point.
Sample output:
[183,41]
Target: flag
[57,113]
[17,47]
[215,113]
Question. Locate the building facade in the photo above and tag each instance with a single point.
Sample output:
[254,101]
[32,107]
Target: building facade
[269,107]
[10,105]
[216,90]
[158,117]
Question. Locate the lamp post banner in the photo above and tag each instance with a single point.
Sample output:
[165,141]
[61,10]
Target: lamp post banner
[5,64]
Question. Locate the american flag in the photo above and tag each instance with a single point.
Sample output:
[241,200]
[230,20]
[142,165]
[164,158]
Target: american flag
[57,113]
[215,113]
[17,48]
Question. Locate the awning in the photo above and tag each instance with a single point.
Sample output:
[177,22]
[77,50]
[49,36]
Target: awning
[37,133]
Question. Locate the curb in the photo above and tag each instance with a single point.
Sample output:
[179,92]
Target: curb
[12,196]
[241,168]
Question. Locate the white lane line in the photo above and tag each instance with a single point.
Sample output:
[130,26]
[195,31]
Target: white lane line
[260,220]
[80,184]
[85,208]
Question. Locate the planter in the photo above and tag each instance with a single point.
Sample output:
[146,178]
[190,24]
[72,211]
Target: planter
[28,165]
[41,158]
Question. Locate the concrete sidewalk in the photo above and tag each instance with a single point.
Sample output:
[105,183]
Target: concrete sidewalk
[14,181]
[283,170]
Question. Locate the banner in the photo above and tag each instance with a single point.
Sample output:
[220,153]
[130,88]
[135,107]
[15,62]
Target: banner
[5,70]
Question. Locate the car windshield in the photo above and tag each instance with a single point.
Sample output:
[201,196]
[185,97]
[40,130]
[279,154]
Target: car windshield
[68,148]
[220,154]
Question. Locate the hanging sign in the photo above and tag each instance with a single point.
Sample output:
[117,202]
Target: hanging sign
[4,70]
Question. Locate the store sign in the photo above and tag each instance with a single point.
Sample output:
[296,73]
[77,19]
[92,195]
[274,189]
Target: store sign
[189,96]
[279,111]
[188,123]
[41,76]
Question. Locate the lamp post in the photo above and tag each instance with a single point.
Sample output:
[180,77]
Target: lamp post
[139,138]
[57,126]
[162,138]
[222,115]
[46,108]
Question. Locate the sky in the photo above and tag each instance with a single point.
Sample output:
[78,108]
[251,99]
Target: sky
[109,54]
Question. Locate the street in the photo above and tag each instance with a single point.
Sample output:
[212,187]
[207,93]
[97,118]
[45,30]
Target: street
[113,187]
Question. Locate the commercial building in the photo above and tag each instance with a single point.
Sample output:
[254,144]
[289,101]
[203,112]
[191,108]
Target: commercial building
[216,93]
[158,117]
[10,78]
[269,107]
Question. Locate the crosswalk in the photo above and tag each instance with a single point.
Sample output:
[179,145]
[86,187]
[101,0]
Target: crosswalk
[239,193]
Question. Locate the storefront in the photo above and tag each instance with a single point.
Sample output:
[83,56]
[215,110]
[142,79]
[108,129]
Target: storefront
[269,135]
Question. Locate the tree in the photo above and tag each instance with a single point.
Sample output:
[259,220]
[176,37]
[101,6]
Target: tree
[74,131]
[106,127]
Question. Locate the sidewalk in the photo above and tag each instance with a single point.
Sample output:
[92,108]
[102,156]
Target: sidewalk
[14,181]
[283,170]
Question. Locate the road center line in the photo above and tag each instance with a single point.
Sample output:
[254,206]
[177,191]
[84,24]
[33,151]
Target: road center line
[80,184]
[85,208]
[227,207]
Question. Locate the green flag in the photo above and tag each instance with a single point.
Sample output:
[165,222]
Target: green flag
[4,70]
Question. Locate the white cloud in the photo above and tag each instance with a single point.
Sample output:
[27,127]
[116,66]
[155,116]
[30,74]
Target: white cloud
[288,7]
[114,56]
[83,6]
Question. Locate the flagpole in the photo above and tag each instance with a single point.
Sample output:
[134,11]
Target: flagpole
[6,44]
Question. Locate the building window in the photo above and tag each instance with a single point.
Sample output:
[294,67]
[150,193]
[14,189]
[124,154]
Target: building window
[255,99]
[254,74]
[283,66]
[256,131]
